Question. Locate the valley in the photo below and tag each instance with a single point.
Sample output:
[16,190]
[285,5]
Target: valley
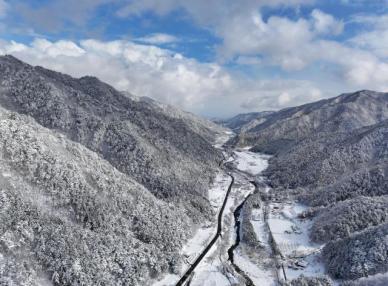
[208,254]
[99,187]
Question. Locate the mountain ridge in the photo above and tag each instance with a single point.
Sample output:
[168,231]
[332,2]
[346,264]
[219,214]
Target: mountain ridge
[160,152]
[344,112]
[332,155]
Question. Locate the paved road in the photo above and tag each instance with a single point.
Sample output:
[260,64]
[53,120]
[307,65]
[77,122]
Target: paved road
[215,238]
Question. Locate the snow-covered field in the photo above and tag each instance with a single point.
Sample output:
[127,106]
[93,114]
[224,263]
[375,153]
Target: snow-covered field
[259,275]
[259,226]
[291,236]
[251,163]
[254,263]
[168,280]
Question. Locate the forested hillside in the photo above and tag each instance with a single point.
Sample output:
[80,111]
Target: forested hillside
[343,113]
[161,152]
[333,156]
[96,188]
[66,212]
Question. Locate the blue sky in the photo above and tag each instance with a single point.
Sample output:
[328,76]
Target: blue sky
[211,57]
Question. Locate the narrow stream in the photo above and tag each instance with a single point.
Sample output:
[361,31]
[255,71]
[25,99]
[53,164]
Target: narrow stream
[237,220]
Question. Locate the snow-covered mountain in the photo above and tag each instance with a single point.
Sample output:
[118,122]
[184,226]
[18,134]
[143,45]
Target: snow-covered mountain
[160,151]
[70,217]
[343,113]
[206,128]
[245,121]
[333,156]
[96,188]
[100,187]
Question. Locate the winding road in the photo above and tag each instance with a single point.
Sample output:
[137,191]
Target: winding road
[212,242]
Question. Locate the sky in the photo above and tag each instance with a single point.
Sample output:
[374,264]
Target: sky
[215,58]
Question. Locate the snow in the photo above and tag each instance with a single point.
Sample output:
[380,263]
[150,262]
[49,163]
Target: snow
[212,277]
[291,236]
[290,233]
[217,192]
[197,243]
[203,236]
[260,227]
[222,139]
[251,163]
[207,231]
[315,268]
[204,233]
[210,273]
[258,275]
[215,268]
[169,279]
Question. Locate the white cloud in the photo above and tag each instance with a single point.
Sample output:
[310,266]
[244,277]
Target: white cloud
[284,98]
[158,39]
[12,47]
[374,36]
[248,60]
[278,40]
[276,50]
[206,88]
[375,21]
[56,15]
[375,41]
[144,70]
[292,45]
[275,94]
[204,11]
[359,68]
[325,23]
[60,48]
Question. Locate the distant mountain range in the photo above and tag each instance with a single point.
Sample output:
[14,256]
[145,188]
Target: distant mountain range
[245,121]
[343,113]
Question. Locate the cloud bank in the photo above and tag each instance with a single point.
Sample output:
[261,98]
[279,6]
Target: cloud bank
[146,70]
[263,60]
